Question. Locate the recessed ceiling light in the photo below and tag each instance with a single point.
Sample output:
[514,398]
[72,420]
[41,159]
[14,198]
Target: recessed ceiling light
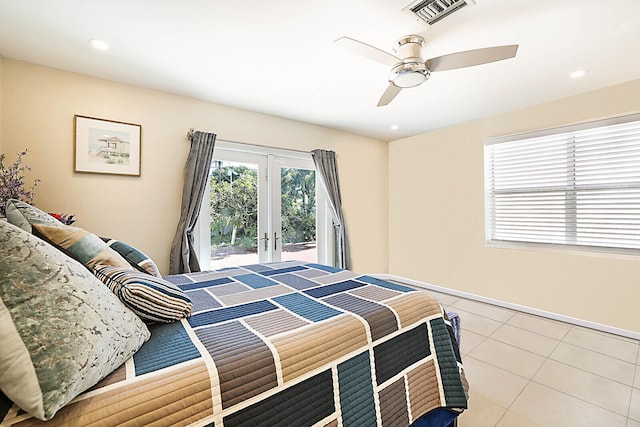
[394,127]
[99,44]
[577,74]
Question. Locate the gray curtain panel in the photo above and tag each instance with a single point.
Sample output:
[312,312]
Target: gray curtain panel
[183,258]
[327,168]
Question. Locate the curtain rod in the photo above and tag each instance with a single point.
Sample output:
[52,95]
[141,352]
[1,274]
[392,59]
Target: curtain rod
[264,146]
[191,131]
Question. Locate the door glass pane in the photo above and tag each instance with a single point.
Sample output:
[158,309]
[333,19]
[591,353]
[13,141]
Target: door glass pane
[298,214]
[234,214]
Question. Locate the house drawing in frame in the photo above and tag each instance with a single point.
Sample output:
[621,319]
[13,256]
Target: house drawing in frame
[107,146]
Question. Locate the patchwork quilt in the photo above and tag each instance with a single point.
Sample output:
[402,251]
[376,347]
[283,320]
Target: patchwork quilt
[284,344]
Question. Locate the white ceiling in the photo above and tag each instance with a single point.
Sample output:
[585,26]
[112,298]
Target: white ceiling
[279,56]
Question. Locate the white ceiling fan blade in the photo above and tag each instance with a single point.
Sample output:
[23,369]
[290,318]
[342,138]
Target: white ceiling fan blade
[368,51]
[469,58]
[389,94]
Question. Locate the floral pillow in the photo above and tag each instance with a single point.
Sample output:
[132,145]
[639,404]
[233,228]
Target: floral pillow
[61,329]
[24,215]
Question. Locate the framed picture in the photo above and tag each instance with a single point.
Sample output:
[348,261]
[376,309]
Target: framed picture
[106,146]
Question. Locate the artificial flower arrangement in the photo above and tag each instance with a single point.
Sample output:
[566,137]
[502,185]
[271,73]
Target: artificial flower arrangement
[12,185]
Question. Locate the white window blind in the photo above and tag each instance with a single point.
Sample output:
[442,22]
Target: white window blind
[577,186]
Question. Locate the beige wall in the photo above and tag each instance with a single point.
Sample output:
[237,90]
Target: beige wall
[434,211]
[39,105]
[436,220]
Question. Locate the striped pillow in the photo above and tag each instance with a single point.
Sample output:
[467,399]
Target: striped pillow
[152,298]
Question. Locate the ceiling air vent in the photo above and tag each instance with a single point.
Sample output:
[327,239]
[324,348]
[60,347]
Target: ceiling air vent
[431,11]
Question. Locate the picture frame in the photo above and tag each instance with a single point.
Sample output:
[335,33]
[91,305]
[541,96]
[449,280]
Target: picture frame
[106,146]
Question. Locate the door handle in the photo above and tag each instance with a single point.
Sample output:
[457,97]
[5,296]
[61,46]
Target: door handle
[266,241]
[275,241]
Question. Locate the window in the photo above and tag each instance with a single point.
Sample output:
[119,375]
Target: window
[574,187]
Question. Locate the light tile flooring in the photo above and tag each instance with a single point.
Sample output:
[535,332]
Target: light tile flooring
[526,371]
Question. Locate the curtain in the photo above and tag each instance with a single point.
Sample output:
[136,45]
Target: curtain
[183,258]
[327,168]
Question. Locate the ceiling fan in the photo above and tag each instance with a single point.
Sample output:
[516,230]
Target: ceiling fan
[409,69]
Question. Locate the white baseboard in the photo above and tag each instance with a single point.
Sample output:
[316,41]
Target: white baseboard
[549,315]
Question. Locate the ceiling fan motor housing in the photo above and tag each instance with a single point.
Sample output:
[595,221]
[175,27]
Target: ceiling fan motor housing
[412,71]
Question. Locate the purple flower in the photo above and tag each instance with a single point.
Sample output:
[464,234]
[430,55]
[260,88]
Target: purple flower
[12,184]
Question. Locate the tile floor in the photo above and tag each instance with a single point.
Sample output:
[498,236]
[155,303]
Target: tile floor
[527,371]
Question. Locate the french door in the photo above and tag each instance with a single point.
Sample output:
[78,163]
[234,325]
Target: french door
[263,205]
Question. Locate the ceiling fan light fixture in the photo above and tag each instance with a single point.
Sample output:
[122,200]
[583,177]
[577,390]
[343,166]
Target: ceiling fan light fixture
[409,74]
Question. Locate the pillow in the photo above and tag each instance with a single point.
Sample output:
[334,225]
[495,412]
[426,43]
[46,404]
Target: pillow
[150,297]
[61,330]
[138,259]
[24,215]
[81,245]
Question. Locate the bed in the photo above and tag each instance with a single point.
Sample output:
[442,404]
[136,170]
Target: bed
[279,344]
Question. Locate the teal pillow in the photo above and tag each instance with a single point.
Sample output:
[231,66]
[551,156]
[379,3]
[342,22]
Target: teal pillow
[138,259]
[61,329]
